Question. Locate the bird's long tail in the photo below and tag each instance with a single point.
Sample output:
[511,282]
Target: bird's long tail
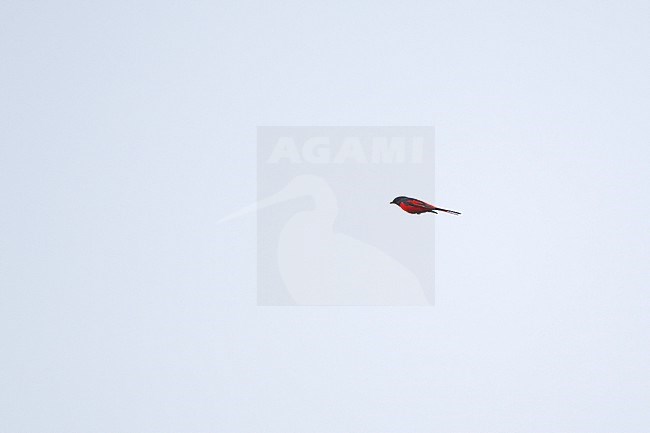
[453,212]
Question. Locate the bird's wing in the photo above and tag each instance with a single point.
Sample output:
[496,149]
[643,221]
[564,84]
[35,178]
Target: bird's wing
[420,204]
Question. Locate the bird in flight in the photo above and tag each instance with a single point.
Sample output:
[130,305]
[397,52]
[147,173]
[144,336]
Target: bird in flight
[412,205]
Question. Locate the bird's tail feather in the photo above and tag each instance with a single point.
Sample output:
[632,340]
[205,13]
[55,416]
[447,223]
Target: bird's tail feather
[453,212]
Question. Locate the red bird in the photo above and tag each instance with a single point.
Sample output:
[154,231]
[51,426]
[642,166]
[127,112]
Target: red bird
[412,205]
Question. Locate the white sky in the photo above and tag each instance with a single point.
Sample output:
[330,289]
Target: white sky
[129,129]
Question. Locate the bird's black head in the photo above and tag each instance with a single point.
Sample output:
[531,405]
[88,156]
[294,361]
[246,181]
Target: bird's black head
[398,200]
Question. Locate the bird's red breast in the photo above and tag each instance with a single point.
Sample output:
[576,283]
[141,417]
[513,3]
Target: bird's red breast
[416,206]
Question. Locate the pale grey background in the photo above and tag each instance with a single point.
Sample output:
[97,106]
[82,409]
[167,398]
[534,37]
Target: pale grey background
[127,129]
